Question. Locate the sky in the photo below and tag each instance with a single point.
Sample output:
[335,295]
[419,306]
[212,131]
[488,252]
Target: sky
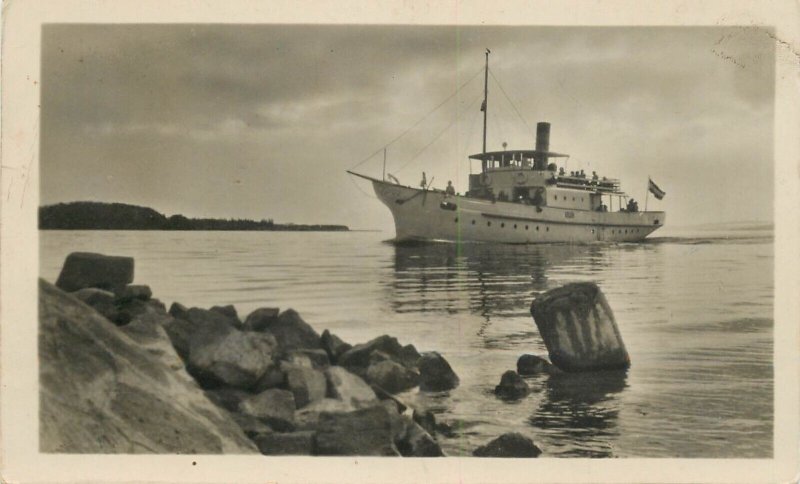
[261,121]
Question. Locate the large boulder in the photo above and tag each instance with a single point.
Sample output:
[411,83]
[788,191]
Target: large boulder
[435,373]
[349,388]
[230,312]
[534,365]
[361,355]
[237,359]
[227,397]
[260,319]
[101,392]
[86,269]
[275,407]
[508,445]
[288,443]
[392,376]
[309,358]
[306,384]
[579,329]
[292,332]
[368,431]
[333,345]
[134,291]
[195,325]
[511,386]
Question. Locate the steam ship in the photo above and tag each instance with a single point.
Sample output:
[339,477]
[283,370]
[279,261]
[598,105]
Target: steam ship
[520,196]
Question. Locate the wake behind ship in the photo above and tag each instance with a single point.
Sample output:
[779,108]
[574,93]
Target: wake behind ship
[520,196]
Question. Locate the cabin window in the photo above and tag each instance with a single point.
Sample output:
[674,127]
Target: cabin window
[547,229]
[537,228]
[473,222]
[515,226]
[489,223]
[526,227]
[573,199]
[502,224]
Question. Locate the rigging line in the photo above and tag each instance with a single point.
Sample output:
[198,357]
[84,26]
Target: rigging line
[360,189]
[437,136]
[530,131]
[469,136]
[419,121]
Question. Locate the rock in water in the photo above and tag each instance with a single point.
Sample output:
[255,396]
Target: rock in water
[418,443]
[360,355]
[85,269]
[392,376]
[511,386]
[290,443]
[259,319]
[579,329]
[333,345]
[135,291]
[508,445]
[101,393]
[369,431]
[435,373]
[533,365]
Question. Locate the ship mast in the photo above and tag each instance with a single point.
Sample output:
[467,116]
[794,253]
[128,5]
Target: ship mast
[485,107]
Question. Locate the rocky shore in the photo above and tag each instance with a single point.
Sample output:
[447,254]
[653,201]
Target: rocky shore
[119,373]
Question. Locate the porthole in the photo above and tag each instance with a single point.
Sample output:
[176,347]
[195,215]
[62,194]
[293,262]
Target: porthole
[573,199]
[592,230]
[455,220]
[547,229]
[502,224]
[537,228]
[515,226]
[489,223]
[626,231]
[526,227]
[473,222]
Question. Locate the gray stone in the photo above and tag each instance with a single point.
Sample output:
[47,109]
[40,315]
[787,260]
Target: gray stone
[227,397]
[195,325]
[317,359]
[86,269]
[425,419]
[93,295]
[349,388]
[534,365]
[134,291]
[274,407]
[260,319]
[511,386]
[360,354]
[306,384]
[102,392]
[274,377]
[508,445]
[251,426]
[229,311]
[236,359]
[178,310]
[392,376]
[409,356]
[579,329]
[292,332]
[418,443]
[435,373]
[333,345]
[307,418]
[290,443]
[368,431]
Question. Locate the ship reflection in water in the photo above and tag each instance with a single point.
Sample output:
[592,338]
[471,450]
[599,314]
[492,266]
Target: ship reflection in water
[493,286]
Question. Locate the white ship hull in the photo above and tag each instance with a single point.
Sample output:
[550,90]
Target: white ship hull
[431,215]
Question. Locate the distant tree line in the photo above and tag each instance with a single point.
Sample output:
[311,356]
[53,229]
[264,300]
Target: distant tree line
[121,216]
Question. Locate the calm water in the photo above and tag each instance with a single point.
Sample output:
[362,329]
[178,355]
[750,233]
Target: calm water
[694,309]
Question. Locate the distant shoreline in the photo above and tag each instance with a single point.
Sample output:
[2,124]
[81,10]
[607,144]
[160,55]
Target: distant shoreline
[120,216]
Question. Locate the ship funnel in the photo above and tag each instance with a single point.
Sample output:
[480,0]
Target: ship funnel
[542,145]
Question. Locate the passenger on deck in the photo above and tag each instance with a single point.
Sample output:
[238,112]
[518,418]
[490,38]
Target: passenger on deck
[450,190]
[594,175]
[424,182]
[582,174]
[561,171]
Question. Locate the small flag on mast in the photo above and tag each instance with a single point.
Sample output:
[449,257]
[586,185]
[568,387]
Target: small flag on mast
[657,192]
[483,105]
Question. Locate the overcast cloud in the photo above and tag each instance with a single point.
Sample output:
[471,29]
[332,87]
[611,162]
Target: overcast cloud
[263,121]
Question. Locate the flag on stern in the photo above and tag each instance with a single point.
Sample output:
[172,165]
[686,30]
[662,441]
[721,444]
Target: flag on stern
[657,192]
[483,105]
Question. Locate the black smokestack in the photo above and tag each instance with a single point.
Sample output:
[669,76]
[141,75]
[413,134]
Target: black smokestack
[542,145]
